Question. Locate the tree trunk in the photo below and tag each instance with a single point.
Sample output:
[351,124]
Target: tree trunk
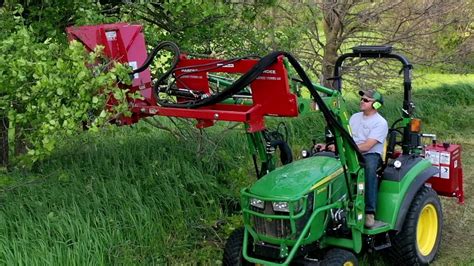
[20,143]
[332,26]
[329,61]
[3,141]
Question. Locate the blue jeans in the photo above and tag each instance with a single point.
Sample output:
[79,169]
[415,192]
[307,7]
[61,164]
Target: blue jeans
[372,162]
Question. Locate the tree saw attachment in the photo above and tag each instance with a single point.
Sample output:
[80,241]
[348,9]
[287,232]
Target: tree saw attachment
[195,90]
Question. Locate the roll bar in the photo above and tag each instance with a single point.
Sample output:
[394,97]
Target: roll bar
[365,51]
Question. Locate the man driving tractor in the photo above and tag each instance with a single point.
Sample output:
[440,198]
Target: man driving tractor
[369,131]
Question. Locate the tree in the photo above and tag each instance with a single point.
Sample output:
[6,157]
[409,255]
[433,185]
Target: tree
[47,90]
[204,27]
[4,140]
[430,32]
[413,27]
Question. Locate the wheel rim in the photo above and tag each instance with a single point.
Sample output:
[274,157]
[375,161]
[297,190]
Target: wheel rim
[348,263]
[427,229]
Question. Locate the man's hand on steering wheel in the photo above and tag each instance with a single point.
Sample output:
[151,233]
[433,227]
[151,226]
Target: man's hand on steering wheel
[324,147]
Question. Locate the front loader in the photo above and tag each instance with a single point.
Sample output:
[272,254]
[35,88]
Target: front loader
[311,210]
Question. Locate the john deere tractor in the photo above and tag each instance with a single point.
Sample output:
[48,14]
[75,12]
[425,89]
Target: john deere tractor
[312,210]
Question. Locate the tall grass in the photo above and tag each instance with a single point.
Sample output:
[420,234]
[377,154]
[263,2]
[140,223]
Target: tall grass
[140,196]
[121,198]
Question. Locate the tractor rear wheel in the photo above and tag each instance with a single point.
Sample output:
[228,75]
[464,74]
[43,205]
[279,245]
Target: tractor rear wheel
[233,249]
[339,257]
[419,240]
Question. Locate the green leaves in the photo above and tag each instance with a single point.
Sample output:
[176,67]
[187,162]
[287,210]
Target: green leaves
[49,91]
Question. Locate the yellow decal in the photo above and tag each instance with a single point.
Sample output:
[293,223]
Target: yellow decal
[349,127]
[321,190]
[327,178]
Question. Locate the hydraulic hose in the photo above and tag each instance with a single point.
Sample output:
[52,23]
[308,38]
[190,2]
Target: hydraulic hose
[171,46]
[243,82]
[253,74]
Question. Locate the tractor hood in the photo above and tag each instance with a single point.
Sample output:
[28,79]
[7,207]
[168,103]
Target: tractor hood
[294,180]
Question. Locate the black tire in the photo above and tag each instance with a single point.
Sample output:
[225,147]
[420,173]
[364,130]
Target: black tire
[407,248]
[339,257]
[233,249]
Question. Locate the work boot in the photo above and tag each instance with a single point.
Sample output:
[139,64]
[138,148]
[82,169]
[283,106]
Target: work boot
[371,223]
[369,220]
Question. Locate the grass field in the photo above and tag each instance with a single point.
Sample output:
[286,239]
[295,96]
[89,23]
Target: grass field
[137,195]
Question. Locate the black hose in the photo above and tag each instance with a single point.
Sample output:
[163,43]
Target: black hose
[240,83]
[151,56]
[396,122]
[171,46]
[253,74]
[286,156]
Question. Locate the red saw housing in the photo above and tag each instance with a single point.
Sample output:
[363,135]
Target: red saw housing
[125,43]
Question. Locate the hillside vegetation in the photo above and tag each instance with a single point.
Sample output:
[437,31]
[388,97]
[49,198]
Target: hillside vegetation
[137,195]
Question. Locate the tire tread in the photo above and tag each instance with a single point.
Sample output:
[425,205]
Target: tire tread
[404,250]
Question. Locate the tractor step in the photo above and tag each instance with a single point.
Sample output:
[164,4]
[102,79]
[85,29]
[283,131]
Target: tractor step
[377,229]
[379,242]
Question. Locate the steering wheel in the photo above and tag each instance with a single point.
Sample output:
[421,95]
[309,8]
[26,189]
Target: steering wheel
[328,144]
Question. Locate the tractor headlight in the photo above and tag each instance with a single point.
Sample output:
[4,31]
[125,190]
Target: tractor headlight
[257,203]
[284,206]
[304,153]
[281,206]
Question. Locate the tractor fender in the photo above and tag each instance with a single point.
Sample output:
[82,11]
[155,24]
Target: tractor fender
[416,184]
[397,174]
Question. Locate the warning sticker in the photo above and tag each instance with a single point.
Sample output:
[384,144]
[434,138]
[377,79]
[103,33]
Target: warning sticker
[111,35]
[437,173]
[445,158]
[134,66]
[444,172]
[433,156]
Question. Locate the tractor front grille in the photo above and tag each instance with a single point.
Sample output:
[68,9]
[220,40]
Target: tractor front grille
[279,228]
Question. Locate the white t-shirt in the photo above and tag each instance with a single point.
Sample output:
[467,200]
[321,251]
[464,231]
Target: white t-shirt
[369,127]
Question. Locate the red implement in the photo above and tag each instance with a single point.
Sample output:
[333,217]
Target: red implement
[125,43]
[449,181]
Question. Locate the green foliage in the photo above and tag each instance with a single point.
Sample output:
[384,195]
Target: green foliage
[48,19]
[47,90]
[204,27]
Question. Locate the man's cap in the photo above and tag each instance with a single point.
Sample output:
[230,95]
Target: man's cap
[372,94]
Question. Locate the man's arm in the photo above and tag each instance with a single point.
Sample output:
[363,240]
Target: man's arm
[363,147]
[367,145]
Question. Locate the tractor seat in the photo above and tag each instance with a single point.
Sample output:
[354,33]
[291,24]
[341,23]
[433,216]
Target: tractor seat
[388,150]
[384,160]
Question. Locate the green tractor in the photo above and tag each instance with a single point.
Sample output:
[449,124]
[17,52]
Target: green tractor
[311,211]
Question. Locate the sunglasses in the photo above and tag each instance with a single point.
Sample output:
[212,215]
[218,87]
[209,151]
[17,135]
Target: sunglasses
[365,100]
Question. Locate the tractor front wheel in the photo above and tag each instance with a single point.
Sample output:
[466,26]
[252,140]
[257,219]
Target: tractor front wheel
[339,257]
[233,249]
[419,240]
